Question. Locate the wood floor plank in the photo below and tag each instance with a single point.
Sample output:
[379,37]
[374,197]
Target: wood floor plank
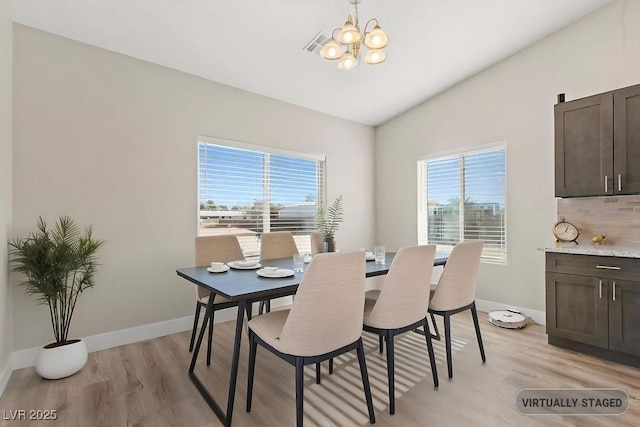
[146,384]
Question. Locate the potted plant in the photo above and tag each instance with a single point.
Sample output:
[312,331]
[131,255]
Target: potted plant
[58,264]
[327,221]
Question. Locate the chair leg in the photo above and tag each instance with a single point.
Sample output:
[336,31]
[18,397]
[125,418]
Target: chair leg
[447,338]
[265,306]
[380,344]
[331,366]
[365,381]
[391,372]
[474,314]
[318,373]
[196,318]
[299,391]
[253,347]
[210,343]
[248,310]
[435,336]
[432,358]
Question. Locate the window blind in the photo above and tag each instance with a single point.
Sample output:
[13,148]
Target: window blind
[462,197]
[248,192]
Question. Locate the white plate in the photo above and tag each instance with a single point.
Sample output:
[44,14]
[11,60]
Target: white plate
[244,265]
[218,270]
[281,272]
[369,256]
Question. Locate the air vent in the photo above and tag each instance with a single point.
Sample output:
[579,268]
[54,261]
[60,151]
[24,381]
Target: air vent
[316,43]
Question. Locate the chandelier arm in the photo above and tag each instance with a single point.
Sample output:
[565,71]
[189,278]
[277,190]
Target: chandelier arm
[369,22]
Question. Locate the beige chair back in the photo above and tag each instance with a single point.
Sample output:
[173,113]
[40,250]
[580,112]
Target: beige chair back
[277,244]
[404,296]
[328,309]
[223,248]
[317,243]
[457,285]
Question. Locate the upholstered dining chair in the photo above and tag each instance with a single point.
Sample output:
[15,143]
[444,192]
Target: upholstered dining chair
[317,243]
[273,245]
[401,305]
[224,248]
[456,292]
[324,321]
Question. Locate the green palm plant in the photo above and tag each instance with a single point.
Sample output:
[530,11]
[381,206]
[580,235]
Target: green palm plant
[327,221]
[58,264]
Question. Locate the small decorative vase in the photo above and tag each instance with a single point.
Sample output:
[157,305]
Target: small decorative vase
[330,245]
[62,361]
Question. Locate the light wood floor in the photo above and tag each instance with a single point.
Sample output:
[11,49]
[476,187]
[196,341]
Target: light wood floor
[146,384]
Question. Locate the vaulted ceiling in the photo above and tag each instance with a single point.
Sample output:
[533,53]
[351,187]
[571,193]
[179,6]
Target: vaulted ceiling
[258,45]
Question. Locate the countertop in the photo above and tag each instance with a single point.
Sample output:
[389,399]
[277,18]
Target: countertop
[585,248]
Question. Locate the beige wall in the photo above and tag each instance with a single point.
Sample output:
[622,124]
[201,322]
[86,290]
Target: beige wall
[513,102]
[111,141]
[6,61]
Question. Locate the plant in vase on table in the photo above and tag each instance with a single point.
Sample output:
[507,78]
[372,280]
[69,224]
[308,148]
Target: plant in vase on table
[58,264]
[327,221]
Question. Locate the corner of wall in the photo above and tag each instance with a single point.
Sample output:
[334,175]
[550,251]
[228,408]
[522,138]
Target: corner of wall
[6,143]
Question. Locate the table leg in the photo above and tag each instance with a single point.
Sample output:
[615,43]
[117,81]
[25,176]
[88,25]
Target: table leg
[225,417]
[235,362]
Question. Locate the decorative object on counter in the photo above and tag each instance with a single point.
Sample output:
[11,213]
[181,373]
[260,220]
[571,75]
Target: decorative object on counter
[598,240]
[58,264]
[565,232]
[327,221]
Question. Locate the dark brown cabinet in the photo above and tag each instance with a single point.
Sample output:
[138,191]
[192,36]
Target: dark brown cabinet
[593,303]
[577,308]
[597,144]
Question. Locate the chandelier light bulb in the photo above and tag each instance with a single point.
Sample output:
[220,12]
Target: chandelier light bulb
[349,33]
[348,61]
[331,50]
[375,56]
[376,39]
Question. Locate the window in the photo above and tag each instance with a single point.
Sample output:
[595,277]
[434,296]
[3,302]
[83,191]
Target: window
[462,197]
[247,190]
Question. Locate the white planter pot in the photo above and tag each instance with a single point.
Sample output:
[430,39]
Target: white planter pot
[60,362]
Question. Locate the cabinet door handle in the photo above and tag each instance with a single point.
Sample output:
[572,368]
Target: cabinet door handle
[608,267]
[600,289]
[614,291]
[619,182]
[605,184]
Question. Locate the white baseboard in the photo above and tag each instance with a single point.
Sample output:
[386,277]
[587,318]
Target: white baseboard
[6,374]
[27,357]
[535,315]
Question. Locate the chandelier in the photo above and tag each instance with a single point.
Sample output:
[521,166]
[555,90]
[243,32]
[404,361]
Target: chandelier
[349,36]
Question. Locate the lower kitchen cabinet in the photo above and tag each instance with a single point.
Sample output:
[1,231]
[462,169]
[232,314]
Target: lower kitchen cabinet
[593,305]
[624,317]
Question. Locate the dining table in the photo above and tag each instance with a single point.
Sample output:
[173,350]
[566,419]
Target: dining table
[244,286]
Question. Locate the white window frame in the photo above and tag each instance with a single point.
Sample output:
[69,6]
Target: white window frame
[490,255]
[252,248]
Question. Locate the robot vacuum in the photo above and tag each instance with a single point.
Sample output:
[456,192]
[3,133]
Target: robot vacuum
[507,319]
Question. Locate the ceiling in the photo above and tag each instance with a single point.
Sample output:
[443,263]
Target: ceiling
[258,45]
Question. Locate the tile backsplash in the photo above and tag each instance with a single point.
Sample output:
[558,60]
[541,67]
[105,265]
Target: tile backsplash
[617,217]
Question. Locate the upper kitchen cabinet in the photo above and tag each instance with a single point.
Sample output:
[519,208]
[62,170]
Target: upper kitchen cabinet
[626,140]
[597,144]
